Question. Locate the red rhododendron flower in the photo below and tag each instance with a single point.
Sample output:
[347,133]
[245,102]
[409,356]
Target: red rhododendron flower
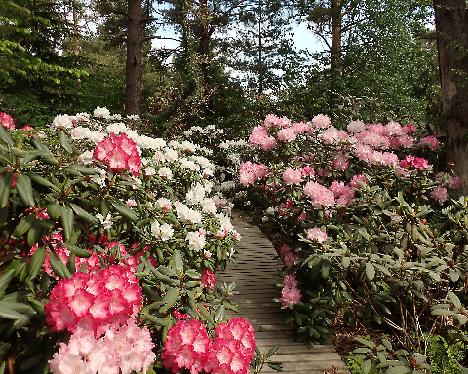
[208,279]
[107,298]
[119,153]
[7,121]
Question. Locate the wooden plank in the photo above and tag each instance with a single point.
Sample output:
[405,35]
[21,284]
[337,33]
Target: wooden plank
[257,274]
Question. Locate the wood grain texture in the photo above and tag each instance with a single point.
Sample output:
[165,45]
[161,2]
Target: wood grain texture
[257,274]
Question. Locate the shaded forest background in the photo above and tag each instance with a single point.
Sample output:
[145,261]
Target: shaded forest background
[379,60]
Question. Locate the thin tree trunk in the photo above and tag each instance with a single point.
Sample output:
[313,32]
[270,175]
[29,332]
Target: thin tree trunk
[260,49]
[134,45]
[335,65]
[452,41]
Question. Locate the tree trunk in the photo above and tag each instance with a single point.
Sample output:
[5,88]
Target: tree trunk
[133,71]
[335,64]
[452,41]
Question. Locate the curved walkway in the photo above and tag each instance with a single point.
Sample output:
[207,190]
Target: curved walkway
[256,275]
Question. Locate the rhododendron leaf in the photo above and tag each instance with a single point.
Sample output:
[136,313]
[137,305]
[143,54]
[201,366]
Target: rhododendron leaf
[37,260]
[126,212]
[24,225]
[204,313]
[67,219]
[43,181]
[273,350]
[5,136]
[192,274]
[35,233]
[219,316]
[364,233]
[65,142]
[178,262]
[370,271]
[58,266]
[169,299]
[80,212]
[167,271]
[5,280]
[5,189]
[23,184]
[454,299]
[77,251]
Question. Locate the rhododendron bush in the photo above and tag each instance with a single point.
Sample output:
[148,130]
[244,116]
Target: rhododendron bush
[366,228]
[110,241]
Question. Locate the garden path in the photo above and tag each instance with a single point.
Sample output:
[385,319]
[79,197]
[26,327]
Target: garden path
[256,274]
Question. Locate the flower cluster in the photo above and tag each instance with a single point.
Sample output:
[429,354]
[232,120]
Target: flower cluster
[290,294]
[250,172]
[119,153]
[123,350]
[6,121]
[189,346]
[107,298]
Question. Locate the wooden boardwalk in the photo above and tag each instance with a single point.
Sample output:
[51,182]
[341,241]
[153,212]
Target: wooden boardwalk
[256,275]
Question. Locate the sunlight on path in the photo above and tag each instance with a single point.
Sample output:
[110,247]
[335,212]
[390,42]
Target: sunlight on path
[256,275]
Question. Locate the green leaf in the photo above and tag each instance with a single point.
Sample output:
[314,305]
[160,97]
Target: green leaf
[454,299]
[58,266]
[364,233]
[169,299]
[54,211]
[77,251]
[178,262]
[67,220]
[25,190]
[35,233]
[65,142]
[5,189]
[43,181]
[219,314]
[37,260]
[5,280]
[5,136]
[370,271]
[126,212]
[367,366]
[24,225]
[88,217]
[6,311]
[398,370]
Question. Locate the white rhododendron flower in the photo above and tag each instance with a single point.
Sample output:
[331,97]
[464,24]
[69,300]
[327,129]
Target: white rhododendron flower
[187,164]
[165,173]
[164,203]
[171,154]
[102,112]
[186,214]
[117,128]
[196,241]
[163,232]
[150,171]
[63,122]
[195,195]
[105,222]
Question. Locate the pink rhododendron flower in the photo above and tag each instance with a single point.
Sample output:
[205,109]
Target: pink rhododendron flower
[124,350]
[321,121]
[301,127]
[340,163]
[440,194]
[7,121]
[317,234]
[332,135]
[290,294]
[208,279]
[286,135]
[409,128]
[414,162]
[394,128]
[357,181]
[107,298]
[287,255]
[292,176]
[187,347]
[307,171]
[260,137]
[429,141]
[356,126]
[320,195]
[271,120]
[26,128]
[119,153]
[344,195]
[239,329]
[249,173]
